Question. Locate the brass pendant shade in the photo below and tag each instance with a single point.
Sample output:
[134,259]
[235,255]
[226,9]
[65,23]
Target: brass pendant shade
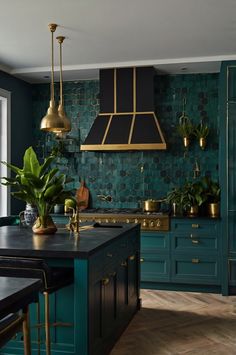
[55,120]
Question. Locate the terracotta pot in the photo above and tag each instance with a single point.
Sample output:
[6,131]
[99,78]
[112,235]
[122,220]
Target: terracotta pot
[213,209]
[44,225]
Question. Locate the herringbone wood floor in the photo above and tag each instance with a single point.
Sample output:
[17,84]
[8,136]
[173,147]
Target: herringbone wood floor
[172,323]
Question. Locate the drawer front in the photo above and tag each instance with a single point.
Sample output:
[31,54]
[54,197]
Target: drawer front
[154,267]
[152,241]
[194,226]
[196,269]
[194,242]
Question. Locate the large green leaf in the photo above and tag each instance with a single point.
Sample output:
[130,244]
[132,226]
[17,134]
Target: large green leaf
[31,163]
[52,191]
[46,164]
[12,167]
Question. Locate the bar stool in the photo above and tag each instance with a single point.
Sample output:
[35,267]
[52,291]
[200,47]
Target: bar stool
[13,323]
[53,279]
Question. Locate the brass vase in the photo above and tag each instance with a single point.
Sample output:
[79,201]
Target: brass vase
[192,211]
[202,143]
[44,225]
[186,142]
[213,210]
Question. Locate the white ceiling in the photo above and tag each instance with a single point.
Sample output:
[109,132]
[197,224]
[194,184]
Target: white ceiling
[170,34]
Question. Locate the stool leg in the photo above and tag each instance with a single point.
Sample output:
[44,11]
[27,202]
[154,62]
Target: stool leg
[26,331]
[47,323]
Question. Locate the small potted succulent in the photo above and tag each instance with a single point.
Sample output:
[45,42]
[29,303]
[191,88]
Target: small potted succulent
[41,186]
[201,132]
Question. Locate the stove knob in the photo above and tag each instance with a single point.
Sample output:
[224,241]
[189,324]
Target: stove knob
[99,221]
[158,222]
[144,223]
[127,220]
[114,220]
[107,220]
[136,220]
[152,224]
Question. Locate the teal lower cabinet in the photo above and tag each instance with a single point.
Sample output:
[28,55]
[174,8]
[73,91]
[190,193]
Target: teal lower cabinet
[188,257]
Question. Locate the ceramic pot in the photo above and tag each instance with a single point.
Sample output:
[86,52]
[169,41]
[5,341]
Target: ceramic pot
[44,225]
[30,214]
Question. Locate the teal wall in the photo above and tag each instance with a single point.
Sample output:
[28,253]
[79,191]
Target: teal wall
[21,122]
[120,173]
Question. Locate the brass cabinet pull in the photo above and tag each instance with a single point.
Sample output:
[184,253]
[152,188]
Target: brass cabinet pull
[109,255]
[141,260]
[195,225]
[132,257]
[195,261]
[124,263]
[105,281]
[195,241]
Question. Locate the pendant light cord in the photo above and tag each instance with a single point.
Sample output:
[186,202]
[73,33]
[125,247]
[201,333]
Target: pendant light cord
[52,73]
[61,79]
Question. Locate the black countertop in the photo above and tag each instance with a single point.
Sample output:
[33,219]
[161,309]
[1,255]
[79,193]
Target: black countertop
[22,242]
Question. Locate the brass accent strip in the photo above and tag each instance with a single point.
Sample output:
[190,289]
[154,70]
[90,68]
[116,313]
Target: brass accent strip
[154,146]
[115,91]
[134,89]
[131,129]
[26,332]
[159,129]
[126,113]
[47,323]
[195,225]
[107,129]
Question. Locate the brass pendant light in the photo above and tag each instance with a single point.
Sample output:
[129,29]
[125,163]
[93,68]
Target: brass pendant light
[61,112]
[52,122]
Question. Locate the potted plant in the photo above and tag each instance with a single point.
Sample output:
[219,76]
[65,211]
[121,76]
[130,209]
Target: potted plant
[175,199]
[201,132]
[193,197]
[185,129]
[41,186]
[212,192]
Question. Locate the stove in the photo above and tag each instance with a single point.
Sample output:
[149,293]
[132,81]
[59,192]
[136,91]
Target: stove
[149,221]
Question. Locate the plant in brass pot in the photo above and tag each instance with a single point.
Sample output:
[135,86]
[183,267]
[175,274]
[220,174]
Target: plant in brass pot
[212,192]
[201,132]
[175,199]
[185,127]
[41,186]
[193,197]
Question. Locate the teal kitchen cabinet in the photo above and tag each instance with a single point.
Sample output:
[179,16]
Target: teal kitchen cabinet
[228,172]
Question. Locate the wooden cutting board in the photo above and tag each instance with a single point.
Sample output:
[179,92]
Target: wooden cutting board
[82,196]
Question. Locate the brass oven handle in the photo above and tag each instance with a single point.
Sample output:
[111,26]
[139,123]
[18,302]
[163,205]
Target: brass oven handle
[105,281]
[195,261]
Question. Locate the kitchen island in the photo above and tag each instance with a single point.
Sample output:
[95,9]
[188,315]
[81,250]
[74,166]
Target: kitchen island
[105,295]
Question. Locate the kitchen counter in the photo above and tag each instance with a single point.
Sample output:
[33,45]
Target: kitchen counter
[105,294]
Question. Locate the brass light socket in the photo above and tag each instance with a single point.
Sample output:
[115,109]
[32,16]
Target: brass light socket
[52,27]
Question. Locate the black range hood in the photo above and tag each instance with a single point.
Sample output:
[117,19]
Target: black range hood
[127,120]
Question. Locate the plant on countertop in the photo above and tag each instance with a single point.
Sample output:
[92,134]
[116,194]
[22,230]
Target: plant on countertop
[193,196]
[39,185]
[211,189]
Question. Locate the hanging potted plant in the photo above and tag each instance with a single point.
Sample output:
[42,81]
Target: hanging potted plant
[42,186]
[201,132]
[185,127]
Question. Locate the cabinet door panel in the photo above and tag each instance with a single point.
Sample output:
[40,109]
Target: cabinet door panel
[232,230]
[232,272]
[197,226]
[154,267]
[154,240]
[194,242]
[231,83]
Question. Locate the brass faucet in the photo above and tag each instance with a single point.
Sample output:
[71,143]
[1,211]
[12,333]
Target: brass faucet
[73,225]
[107,198]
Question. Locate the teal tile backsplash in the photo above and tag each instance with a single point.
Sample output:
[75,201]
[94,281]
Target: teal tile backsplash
[133,176]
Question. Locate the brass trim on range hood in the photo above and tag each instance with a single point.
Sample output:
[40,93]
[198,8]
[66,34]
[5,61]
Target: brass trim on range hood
[126,129]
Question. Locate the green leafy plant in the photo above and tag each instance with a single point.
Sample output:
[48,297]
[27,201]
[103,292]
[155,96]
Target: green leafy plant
[175,196]
[38,184]
[201,131]
[185,127]
[193,194]
[211,190]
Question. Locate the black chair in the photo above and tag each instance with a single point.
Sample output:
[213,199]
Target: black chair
[53,279]
[13,323]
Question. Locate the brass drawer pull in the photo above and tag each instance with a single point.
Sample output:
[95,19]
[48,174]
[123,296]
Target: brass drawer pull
[132,257]
[105,281]
[195,241]
[109,255]
[195,261]
[194,225]
[141,260]
[124,263]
